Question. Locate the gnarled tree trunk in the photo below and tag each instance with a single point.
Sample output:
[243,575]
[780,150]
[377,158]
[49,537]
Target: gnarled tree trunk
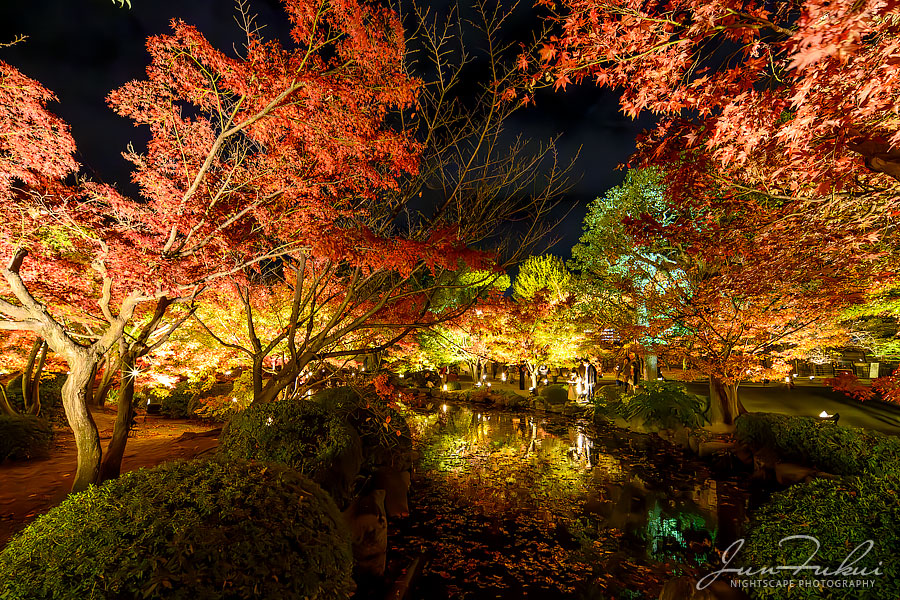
[87,439]
[724,404]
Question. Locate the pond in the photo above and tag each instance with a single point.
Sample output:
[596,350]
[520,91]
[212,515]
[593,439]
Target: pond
[529,505]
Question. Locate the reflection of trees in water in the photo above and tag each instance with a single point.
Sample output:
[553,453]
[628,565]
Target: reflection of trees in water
[502,463]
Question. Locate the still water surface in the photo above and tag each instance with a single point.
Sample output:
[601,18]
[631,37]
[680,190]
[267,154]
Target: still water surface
[527,505]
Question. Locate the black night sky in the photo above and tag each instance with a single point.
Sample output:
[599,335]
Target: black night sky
[82,49]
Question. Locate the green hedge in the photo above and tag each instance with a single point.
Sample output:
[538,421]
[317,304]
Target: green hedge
[841,514]
[822,444]
[186,530]
[299,434]
[23,437]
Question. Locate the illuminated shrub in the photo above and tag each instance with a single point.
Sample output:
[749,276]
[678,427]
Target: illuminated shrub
[840,514]
[812,441]
[186,530]
[23,437]
[299,434]
[661,404]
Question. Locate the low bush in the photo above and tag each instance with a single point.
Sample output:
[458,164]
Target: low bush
[840,514]
[822,444]
[24,436]
[299,434]
[555,394]
[186,530]
[664,404]
[453,386]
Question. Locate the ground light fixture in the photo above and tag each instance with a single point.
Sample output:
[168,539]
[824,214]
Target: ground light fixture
[826,417]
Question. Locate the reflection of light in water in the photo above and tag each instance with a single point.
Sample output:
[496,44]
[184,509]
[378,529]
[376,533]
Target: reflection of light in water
[683,536]
[608,466]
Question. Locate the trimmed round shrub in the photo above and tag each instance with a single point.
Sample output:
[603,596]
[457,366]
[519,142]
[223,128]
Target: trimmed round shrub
[840,514]
[556,394]
[299,434]
[186,530]
[23,437]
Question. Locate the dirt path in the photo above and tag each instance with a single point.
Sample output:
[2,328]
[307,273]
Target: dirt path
[30,488]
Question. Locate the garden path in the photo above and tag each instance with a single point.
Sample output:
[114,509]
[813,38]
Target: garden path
[30,488]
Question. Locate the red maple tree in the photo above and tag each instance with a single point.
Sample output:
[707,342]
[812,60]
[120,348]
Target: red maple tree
[251,157]
[777,134]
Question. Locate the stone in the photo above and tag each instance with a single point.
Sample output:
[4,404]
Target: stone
[368,532]
[710,448]
[789,473]
[395,484]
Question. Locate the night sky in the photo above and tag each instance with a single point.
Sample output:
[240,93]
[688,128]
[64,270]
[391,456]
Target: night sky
[83,49]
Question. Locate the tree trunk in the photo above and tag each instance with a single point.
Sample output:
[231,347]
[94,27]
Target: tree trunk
[651,370]
[87,439]
[724,404]
[33,404]
[5,406]
[106,381]
[29,368]
[112,460]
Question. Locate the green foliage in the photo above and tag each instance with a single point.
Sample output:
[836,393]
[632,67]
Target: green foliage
[841,514]
[608,260]
[822,444]
[664,404]
[299,434]
[464,286]
[556,394]
[453,386]
[185,399]
[224,406]
[543,274]
[23,437]
[186,530]
[384,433]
